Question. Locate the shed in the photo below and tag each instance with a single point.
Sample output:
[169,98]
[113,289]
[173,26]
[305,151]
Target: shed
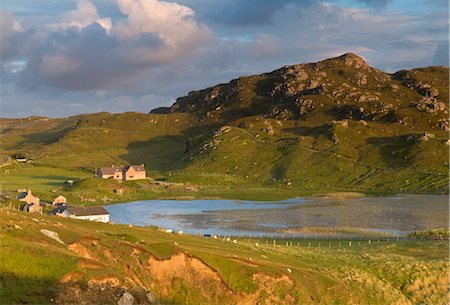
[93,213]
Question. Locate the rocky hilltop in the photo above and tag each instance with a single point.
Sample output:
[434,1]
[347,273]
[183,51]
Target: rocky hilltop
[345,87]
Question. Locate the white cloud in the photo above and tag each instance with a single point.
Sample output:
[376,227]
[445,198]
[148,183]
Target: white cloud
[86,52]
[174,25]
[84,15]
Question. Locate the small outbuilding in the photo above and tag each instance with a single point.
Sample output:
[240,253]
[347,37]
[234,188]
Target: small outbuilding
[92,213]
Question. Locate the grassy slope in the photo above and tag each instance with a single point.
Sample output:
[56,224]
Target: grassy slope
[290,162]
[35,269]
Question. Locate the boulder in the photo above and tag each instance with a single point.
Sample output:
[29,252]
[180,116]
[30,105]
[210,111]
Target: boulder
[126,299]
[53,235]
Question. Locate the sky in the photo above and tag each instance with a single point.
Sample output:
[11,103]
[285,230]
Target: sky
[67,57]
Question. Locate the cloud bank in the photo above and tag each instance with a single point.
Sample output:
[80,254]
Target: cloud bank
[86,52]
[98,55]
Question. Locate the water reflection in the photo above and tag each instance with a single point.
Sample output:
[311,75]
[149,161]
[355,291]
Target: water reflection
[395,215]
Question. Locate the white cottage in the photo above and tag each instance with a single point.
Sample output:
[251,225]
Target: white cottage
[94,213]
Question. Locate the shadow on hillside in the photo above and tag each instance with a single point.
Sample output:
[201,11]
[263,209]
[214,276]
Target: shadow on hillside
[397,152]
[53,177]
[160,153]
[263,86]
[27,290]
[45,137]
[54,180]
[349,112]
[315,131]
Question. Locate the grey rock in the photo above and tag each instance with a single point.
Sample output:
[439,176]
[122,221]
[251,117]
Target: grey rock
[53,235]
[126,299]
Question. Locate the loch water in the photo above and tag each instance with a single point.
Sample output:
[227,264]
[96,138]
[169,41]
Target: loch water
[393,215]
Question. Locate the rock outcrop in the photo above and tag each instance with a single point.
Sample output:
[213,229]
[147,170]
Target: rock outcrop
[430,105]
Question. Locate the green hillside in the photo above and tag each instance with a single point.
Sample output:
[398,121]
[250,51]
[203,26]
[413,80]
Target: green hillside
[96,263]
[338,125]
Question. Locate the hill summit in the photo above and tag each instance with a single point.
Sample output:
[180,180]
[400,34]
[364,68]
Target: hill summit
[344,87]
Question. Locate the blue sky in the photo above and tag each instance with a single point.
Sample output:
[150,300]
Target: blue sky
[65,57]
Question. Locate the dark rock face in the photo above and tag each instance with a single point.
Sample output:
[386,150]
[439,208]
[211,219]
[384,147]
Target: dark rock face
[161,110]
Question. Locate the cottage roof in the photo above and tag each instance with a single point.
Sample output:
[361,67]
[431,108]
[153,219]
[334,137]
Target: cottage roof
[138,168]
[22,195]
[87,211]
[110,170]
[58,209]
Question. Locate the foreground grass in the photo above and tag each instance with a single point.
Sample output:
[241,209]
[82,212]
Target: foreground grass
[35,269]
